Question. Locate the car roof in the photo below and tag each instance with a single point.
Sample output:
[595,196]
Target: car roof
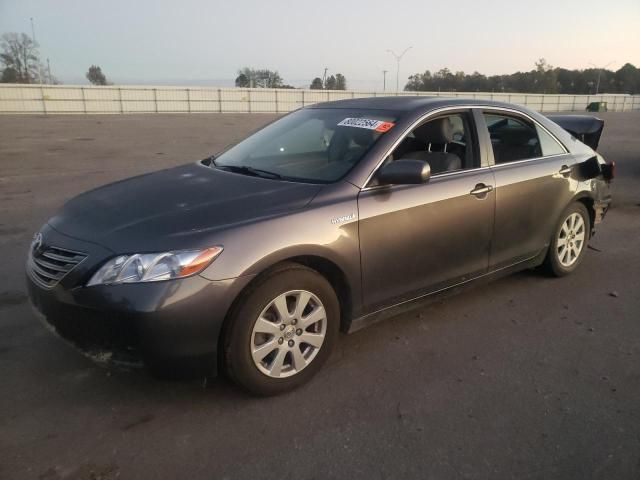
[407,103]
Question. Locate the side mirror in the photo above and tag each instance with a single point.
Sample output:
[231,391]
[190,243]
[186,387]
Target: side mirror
[405,172]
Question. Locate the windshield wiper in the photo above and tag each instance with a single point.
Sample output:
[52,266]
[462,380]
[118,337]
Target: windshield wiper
[264,173]
[246,170]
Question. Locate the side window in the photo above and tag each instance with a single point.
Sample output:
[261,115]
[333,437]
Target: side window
[512,138]
[447,143]
[550,145]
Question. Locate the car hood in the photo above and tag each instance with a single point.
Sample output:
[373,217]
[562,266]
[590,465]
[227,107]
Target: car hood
[177,208]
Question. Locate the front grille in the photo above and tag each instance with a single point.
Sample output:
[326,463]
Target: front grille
[50,265]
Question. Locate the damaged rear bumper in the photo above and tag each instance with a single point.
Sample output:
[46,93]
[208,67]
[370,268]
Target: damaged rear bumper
[600,209]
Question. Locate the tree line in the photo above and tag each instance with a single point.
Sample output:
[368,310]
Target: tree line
[542,79]
[265,78]
[20,58]
[333,82]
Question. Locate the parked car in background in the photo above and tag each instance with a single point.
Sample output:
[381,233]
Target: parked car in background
[328,219]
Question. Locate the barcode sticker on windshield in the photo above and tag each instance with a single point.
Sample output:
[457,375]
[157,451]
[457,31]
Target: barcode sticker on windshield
[369,124]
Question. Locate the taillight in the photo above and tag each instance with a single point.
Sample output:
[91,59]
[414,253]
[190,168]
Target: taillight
[609,170]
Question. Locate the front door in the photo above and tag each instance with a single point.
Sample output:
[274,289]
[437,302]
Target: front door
[415,239]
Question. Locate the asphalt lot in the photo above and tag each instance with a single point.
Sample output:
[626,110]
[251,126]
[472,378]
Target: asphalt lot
[527,377]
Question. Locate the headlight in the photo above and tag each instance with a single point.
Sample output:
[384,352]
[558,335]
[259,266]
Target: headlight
[152,267]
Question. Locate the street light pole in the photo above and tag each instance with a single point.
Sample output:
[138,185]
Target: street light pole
[384,80]
[599,73]
[398,58]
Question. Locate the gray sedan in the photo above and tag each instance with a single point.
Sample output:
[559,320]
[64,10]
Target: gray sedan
[331,218]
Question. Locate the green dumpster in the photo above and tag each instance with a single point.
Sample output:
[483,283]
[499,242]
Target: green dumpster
[597,107]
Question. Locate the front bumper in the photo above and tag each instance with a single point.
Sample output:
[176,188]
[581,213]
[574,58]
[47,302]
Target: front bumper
[174,322]
[177,321]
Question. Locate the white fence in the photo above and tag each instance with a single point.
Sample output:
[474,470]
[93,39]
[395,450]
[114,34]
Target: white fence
[45,99]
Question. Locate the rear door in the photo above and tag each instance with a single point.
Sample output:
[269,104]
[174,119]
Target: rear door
[415,239]
[533,184]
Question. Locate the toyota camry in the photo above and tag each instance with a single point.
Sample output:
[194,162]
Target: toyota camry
[252,261]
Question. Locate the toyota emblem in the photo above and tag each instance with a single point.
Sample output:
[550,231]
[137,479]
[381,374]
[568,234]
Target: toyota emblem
[36,243]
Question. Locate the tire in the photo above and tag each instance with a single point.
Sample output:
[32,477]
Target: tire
[564,256]
[265,343]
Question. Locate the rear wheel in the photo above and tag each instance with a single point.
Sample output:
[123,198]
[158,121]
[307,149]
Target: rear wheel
[283,330]
[569,242]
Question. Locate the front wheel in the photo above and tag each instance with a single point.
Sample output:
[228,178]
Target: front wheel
[569,242]
[282,331]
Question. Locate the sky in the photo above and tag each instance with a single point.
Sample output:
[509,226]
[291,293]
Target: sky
[205,42]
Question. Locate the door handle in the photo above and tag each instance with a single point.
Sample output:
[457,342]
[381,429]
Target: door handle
[565,171]
[481,190]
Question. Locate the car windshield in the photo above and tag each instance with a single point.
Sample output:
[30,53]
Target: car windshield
[318,145]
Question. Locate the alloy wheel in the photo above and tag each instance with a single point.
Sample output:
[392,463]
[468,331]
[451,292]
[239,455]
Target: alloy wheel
[288,333]
[571,239]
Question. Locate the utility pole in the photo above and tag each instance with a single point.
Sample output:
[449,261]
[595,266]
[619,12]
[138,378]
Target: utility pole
[48,70]
[384,80]
[33,31]
[324,78]
[398,58]
[599,73]
[33,37]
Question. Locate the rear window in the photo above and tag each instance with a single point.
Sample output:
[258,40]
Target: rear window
[312,145]
[549,145]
